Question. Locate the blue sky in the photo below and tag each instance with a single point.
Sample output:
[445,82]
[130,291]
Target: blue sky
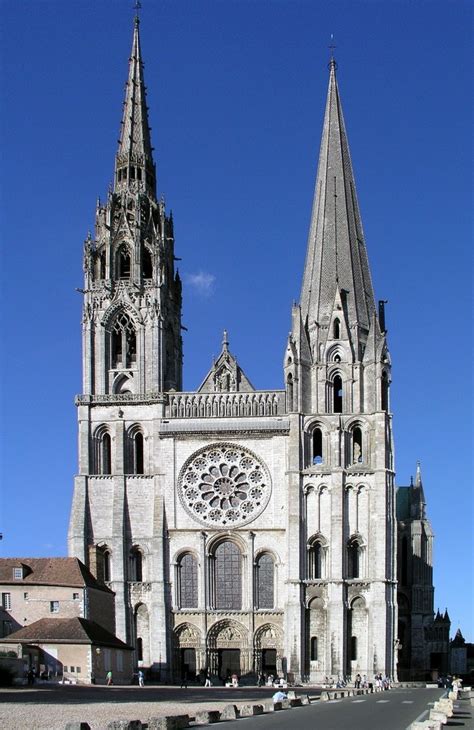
[236,95]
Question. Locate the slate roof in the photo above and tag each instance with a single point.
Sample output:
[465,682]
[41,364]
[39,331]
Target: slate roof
[65,631]
[49,571]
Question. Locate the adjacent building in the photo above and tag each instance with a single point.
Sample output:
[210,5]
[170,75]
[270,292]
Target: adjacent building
[243,530]
[39,588]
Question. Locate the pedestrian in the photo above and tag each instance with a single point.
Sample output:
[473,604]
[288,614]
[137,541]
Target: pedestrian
[30,676]
[208,682]
[141,678]
[279,696]
[357,682]
[235,680]
[108,678]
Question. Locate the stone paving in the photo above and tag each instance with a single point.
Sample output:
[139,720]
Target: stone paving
[51,708]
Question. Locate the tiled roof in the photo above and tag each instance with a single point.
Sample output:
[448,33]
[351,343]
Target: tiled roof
[49,571]
[65,631]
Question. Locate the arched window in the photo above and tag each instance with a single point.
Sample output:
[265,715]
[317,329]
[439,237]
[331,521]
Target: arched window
[100,267]
[336,329]
[124,342]
[106,565]
[104,455]
[139,649]
[265,581]
[136,565]
[102,560]
[123,263]
[317,446]
[337,394]
[314,649]
[384,402]
[289,392]
[147,264]
[353,558]
[227,577]
[357,454]
[136,465]
[316,559]
[187,581]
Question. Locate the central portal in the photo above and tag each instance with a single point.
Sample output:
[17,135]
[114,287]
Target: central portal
[229,663]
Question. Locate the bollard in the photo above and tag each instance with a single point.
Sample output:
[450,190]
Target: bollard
[305,700]
[168,722]
[207,717]
[250,710]
[230,712]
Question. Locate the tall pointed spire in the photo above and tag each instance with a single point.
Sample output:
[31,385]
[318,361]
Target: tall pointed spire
[336,256]
[134,166]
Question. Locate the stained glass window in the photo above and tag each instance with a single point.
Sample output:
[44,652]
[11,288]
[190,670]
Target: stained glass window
[228,577]
[188,582]
[265,581]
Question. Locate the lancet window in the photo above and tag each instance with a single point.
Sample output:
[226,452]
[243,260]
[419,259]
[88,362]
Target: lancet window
[187,581]
[123,263]
[226,577]
[354,555]
[124,342]
[136,565]
[147,264]
[103,452]
[337,394]
[316,559]
[265,581]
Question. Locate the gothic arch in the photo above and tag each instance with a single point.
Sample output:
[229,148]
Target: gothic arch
[268,636]
[227,634]
[186,635]
[187,579]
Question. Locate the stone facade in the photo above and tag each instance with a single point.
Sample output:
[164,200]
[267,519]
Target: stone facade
[242,531]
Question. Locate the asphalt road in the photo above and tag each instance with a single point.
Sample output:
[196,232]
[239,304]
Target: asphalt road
[394,710]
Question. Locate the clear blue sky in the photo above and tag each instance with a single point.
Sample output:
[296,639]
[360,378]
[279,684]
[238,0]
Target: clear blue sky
[236,95]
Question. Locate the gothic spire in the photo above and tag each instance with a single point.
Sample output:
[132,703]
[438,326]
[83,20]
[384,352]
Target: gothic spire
[134,166]
[336,257]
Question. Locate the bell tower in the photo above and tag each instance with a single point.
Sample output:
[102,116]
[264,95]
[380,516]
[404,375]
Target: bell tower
[132,295]
[337,375]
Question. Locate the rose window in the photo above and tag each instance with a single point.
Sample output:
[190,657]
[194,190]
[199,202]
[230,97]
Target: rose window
[224,485]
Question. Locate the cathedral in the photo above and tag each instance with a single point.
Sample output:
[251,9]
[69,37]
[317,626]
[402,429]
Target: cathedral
[244,531]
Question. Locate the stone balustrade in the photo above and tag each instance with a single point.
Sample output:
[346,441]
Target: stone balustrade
[219,405]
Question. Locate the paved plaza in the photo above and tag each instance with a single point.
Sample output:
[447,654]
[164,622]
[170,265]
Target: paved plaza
[52,707]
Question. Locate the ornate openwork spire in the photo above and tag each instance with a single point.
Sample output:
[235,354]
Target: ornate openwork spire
[134,166]
[336,255]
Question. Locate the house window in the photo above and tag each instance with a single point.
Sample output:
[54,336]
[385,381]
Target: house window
[7,628]
[18,573]
[7,601]
[71,669]
[78,670]
[25,595]
[75,596]
[54,606]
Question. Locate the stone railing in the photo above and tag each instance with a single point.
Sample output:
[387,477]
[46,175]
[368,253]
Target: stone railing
[200,405]
[221,405]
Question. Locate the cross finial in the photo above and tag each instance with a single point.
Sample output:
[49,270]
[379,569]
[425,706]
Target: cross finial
[137,7]
[332,46]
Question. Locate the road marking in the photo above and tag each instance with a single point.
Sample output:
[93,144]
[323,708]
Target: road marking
[354,702]
[380,702]
[407,702]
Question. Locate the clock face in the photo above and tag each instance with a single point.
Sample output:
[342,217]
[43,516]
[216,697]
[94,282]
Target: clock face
[224,485]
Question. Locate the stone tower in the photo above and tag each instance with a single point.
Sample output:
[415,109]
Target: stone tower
[132,348]
[341,479]
[242,530]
